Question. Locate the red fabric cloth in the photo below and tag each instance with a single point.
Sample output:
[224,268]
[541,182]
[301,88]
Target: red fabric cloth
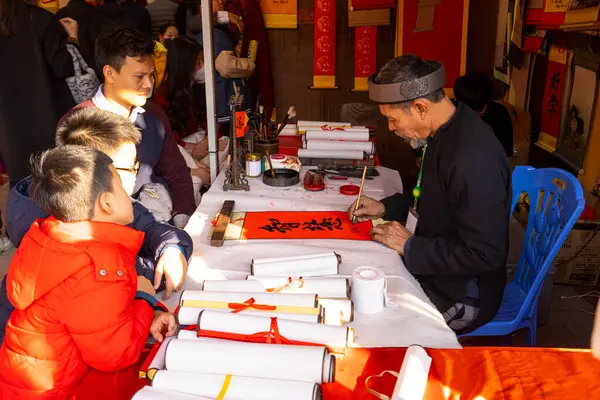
[73,287]
[261,82]
[490,373]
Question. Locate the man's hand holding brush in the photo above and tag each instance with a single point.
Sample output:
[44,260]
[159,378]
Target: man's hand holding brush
[365,209]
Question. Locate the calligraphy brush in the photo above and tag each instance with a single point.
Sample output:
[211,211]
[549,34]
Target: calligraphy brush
[261,110]
[291,114]
[270,164]
[362,182]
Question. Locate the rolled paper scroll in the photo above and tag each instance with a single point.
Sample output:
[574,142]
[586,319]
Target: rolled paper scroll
[253,360]
[235,387]
[338,337]
[316,265]
[152,393]
[335,307]
[350,135]
[368,286]
[189,315]
[337,154]
[271,299]
[319,124]
[367,147]
[322,287]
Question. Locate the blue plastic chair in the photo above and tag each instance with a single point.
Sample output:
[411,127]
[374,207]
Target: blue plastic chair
[556,201]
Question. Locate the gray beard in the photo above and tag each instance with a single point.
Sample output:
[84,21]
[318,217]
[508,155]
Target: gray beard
[415,143]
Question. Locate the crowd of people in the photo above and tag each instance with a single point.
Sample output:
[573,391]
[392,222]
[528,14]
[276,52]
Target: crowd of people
[146,63]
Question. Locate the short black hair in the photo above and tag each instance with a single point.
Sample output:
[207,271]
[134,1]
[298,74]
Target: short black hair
[67,181]
[163,28]
[98,129]
[406,68]
[474,89]
[114,45]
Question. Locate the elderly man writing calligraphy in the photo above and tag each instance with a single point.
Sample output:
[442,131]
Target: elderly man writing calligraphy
[455,241]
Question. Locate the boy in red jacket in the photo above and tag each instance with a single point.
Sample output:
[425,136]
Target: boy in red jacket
[78,300]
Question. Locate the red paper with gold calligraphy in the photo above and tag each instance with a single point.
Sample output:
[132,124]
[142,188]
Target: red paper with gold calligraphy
[365,56]
[303,225]
[324,46]
[552,103]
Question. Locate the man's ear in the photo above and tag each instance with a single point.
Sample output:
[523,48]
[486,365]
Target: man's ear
[105,203]
[420,108]
[109,74]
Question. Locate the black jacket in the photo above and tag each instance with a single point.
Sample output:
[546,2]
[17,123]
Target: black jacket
[464,210]
[33,91]
[91,23]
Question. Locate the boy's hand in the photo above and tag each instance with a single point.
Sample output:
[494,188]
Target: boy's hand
[144,285]
[163,324]
[173,265]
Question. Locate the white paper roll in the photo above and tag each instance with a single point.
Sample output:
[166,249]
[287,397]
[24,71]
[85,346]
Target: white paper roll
[294,258]
[333,288]
[239,387]
[368,285]
[193,335]
[254,360]
[152,393]
[341,145]
[337,154]
[189,315]
[324,264]
[350,135]
[335,307]
[414,373]
[332,336]
[273,299]
[319,124]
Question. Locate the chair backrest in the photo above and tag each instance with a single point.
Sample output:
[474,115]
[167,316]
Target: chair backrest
[555,202]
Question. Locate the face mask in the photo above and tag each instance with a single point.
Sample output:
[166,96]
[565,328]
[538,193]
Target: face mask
[199,75]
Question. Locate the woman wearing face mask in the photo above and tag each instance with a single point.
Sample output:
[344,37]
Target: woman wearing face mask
[182,97]
[166,32]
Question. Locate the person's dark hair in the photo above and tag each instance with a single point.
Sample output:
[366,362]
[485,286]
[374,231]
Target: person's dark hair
[406,68]
[114,45]
[183,97]
[163,28]
[98,129]
[474,89]
[67,181]
[8,11]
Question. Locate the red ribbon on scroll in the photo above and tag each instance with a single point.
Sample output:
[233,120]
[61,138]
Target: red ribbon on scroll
[250,303]
[304,225]
[324,46]
[365,56]
[552,104]
[358,5]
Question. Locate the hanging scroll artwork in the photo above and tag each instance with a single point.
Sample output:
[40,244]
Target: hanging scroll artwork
[367,17]
[580,109]
[297,225]
[553,99]
[280,14]
[365,56]
[324,45]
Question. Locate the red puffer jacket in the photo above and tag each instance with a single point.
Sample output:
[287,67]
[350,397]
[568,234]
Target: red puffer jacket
[73,286]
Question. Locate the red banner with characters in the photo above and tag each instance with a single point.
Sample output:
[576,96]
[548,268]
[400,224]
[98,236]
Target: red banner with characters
[324,46]
[552,103]
[365,56]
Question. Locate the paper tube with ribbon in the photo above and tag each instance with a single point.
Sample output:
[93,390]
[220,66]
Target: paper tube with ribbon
[365,56]
[324,45]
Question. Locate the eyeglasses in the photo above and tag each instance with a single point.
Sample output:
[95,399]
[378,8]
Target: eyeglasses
[133,170]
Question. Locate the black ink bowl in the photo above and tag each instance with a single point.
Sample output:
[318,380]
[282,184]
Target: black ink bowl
[283,177]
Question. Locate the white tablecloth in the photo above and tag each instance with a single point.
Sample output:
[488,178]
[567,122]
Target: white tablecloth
[414,321]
